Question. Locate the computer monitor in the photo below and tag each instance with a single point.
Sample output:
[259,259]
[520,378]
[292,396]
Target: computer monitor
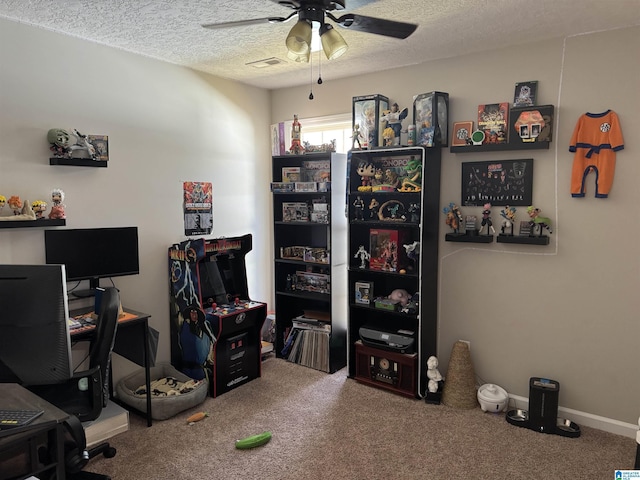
[35,348]
[93,253]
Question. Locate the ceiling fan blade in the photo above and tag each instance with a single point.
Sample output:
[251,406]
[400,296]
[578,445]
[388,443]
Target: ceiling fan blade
[243,23]
[379,26]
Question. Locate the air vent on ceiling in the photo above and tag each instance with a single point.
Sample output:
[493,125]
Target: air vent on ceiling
[267,62]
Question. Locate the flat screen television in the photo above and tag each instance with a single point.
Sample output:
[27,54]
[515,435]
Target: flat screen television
[93,253]
[35,348]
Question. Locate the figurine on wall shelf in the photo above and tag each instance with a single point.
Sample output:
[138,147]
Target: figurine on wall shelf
[538,222]
[15,204]
[509,215]
[296,132]
[39,206]
[3,202]
[394,118]
[414,212]
[355,138]
[363,255]
[62,146]
[413,253]
[57,209]
[454,217]
[486,220]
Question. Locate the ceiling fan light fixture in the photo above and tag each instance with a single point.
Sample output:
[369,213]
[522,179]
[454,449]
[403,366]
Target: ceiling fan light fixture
[299,39]
[333,44]
[302,57]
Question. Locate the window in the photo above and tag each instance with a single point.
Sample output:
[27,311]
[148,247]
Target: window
[320,130]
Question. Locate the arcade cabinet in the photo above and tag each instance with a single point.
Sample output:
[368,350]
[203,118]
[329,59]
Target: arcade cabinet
[215,327]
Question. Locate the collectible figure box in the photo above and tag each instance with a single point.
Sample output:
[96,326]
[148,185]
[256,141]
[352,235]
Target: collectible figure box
[383,249]
[493,120]
[430,116]
[366,114]
[530,124]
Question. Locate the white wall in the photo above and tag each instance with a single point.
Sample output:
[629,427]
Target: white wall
[567,311]
[166,124]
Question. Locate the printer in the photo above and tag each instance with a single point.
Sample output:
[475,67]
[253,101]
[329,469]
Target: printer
[400,341]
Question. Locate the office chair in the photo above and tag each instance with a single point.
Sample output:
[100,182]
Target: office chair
[85,394]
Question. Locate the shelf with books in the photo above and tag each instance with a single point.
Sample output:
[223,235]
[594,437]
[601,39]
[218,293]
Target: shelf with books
[394,212]
[310,249]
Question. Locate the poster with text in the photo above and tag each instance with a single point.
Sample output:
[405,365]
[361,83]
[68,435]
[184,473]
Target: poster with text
[198,208]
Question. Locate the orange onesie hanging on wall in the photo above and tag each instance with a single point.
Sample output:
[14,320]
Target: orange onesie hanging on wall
[595,141]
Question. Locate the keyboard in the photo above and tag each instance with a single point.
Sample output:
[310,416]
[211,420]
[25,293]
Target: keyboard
[17,418]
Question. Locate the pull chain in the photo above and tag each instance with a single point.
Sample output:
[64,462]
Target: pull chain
[319,68]
[311,82]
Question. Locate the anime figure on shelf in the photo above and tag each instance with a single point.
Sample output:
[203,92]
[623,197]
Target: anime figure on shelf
[433,374]
[3,202]
[363,255]
[367,171]
[15,204]
[388,136]
[39,206]
[414,212]
[355,138]
[57,209]
[62,146]
[358,208]
[454,217]
[413,253]
[509,215]
[538,222]
[413,181]
[296,132]
[486,220]
[394,118]
[374,206]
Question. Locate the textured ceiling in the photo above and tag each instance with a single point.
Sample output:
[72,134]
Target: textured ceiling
[171,30]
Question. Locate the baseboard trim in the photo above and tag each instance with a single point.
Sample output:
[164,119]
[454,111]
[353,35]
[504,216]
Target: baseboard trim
[584,419]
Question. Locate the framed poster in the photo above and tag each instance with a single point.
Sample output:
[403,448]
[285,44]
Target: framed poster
[197,208]
[504,182]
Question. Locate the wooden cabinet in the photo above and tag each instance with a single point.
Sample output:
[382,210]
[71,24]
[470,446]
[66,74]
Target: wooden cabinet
[394,219]
[310,255]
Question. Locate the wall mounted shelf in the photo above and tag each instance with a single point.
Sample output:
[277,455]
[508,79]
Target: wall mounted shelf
[44,222]
[463,237]
[542,240]
[78,162]
[499,147]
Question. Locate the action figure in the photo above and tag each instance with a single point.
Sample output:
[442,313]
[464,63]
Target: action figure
[3,202]
[486,220]
[57,209]
[15,204]
[454,217]
[367,171]
[394,118]
[374,206]
[413,183]
[538,221]
[509,215]
[358,207]
[363,255]
[296,131]
[39,206]
[355,138]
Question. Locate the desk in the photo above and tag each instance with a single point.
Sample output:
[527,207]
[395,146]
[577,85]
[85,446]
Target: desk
[132,343]
[17,441]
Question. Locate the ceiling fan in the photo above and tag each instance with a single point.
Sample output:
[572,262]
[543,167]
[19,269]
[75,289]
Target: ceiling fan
[310,11]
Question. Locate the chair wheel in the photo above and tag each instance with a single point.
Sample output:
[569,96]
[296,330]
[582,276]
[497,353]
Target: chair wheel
[109,452]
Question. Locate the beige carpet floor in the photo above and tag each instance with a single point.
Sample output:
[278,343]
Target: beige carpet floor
[332,427]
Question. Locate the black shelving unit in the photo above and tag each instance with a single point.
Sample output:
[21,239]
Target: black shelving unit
[43,222]
[402,373]
[78,162]
[322,234]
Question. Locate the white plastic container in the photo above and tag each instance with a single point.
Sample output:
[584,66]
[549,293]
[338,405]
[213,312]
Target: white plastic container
[492,398]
